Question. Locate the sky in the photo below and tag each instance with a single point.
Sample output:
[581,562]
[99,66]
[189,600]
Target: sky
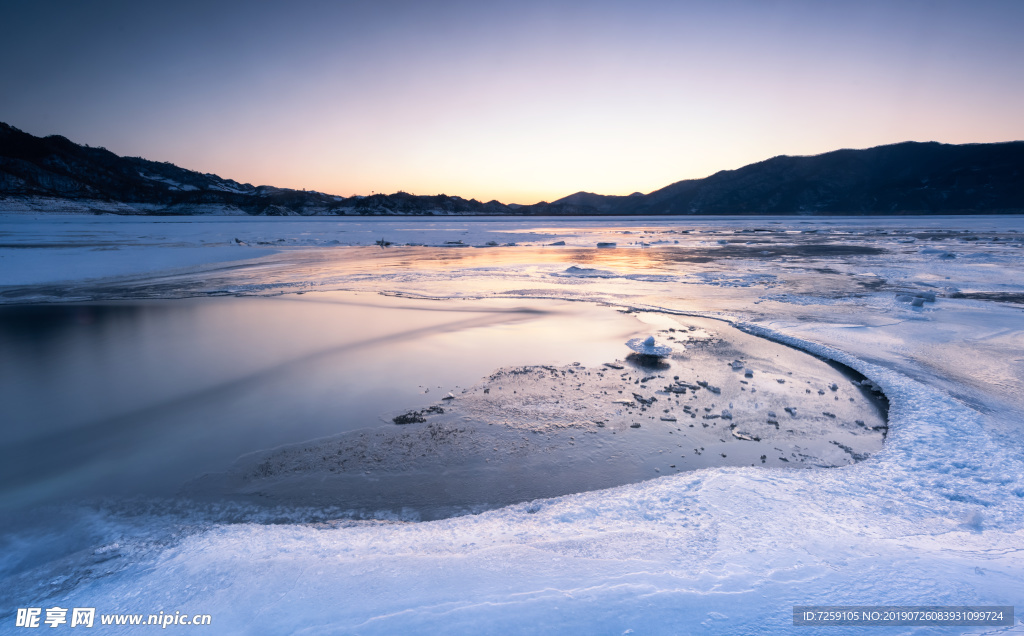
[516,101]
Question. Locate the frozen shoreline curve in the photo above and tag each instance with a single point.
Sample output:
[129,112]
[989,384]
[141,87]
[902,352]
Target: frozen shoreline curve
[540,431]
[935,517]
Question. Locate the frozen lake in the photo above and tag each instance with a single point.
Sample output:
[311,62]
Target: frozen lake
[212,338]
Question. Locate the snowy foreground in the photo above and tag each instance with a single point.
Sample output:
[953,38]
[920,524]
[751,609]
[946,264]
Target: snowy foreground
[935,518]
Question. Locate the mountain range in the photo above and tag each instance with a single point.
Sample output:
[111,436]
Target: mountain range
[55,174]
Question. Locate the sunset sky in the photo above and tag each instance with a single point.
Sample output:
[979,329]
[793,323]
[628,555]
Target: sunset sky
[517,101]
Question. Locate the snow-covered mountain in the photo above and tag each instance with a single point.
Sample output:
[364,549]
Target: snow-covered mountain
[47,174]
[55,174]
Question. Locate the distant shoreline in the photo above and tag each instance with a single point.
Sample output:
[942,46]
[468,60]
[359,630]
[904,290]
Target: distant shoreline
[51,206]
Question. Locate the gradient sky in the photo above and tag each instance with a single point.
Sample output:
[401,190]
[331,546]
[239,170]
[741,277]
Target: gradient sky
[517,101]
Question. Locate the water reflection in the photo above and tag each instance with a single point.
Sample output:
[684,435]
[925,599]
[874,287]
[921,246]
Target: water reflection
[128,398]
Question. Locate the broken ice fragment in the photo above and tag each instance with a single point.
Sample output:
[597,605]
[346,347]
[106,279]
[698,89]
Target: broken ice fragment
[647,347]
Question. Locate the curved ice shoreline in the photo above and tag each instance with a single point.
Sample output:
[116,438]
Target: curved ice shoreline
[541,431]
[935,517]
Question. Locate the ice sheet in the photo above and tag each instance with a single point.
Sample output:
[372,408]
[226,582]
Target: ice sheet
[936,517]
